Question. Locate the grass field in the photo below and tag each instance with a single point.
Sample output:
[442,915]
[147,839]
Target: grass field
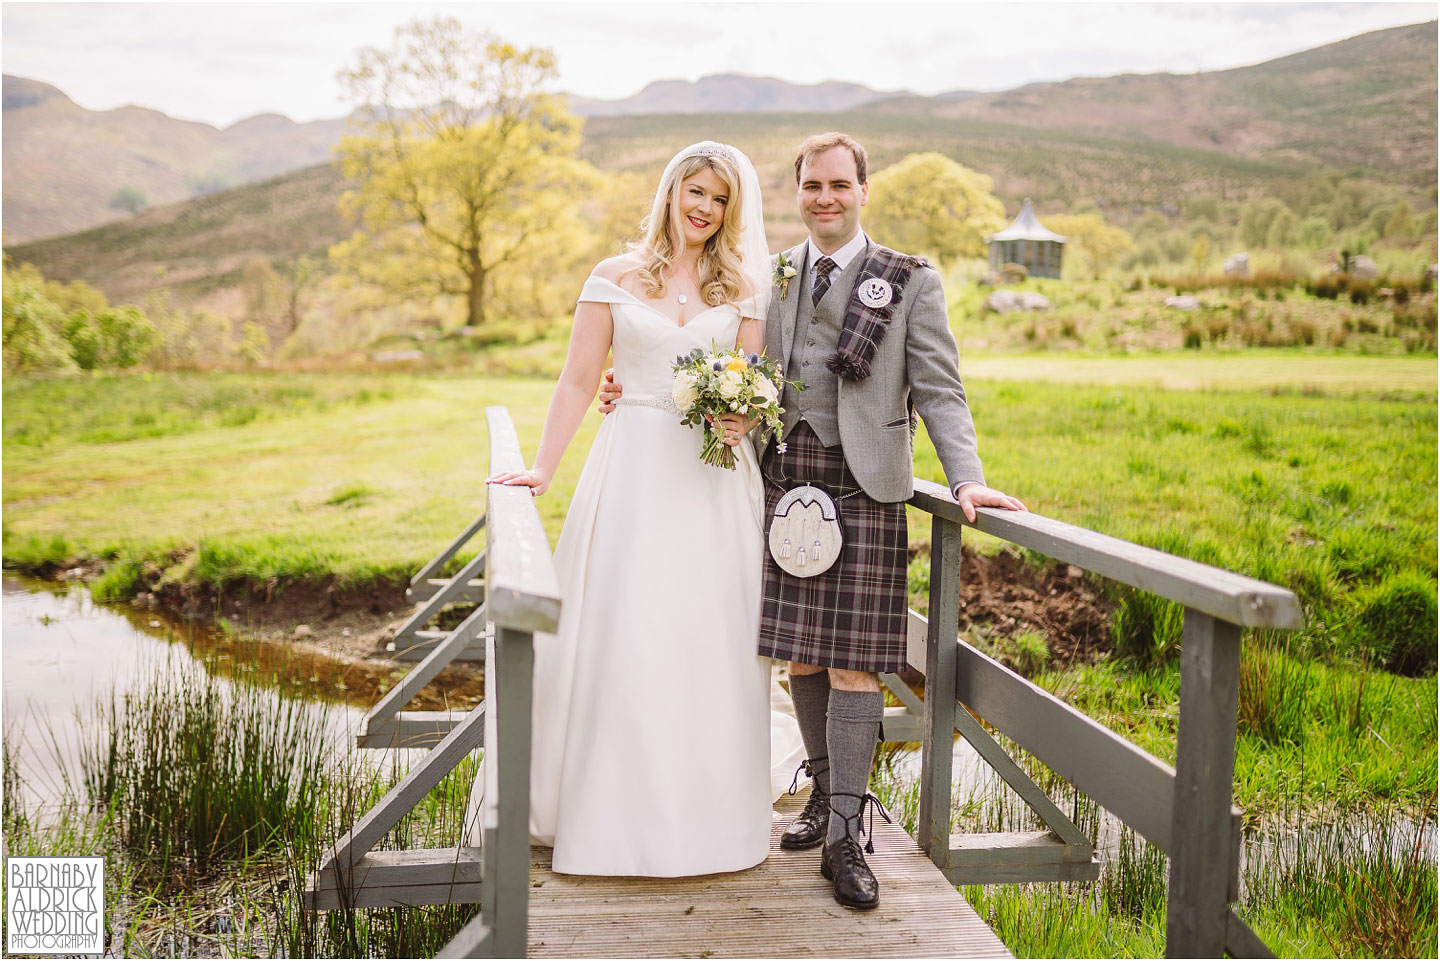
[1316,472]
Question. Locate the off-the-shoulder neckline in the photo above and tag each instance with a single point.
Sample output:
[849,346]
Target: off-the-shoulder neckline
[655,310]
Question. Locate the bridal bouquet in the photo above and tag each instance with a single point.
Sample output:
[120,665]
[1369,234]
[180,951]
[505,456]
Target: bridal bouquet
[726,382]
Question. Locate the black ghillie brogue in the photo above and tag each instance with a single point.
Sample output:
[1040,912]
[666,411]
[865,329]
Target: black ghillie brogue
[843,862]
[808,830]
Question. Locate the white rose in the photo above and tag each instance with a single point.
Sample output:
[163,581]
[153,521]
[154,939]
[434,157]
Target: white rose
[684,391]
[766,389]
[731,383]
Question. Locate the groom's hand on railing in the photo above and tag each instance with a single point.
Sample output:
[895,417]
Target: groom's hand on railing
[971,496]
[609,392]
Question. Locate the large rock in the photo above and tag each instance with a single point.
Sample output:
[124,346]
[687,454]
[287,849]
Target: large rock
[1361,268]
[1183,302]
[1237,265]
[1006,301]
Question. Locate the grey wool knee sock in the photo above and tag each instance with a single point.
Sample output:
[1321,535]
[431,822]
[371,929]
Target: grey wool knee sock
[811,696]
[851,733]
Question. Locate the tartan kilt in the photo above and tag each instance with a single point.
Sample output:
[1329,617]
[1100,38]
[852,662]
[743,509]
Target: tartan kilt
[853,616]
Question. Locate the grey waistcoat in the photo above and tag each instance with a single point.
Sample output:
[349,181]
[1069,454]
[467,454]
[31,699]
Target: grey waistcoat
[817,334]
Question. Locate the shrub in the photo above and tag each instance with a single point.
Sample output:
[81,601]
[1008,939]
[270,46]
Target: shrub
[1395,623]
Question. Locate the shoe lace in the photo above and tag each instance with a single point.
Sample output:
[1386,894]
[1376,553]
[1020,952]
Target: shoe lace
[808,766]
[869,801]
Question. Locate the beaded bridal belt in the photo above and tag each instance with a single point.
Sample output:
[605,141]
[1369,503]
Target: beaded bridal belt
[659,402]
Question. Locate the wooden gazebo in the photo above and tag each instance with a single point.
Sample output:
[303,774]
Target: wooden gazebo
[1029,243]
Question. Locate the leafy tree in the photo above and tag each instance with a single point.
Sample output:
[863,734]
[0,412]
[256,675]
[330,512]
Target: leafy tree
[1256,218]
[128,199]
[116,337]
[1282,230]
[929,203]
[1091,241]
[300,277]
[1400,225]
[464,168]
[1204,207]
[1200,253]
[1313,232]
[33,341]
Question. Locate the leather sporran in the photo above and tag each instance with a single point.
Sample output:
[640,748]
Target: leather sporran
[805,535]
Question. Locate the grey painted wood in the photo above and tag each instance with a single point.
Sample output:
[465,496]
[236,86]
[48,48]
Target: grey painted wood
[1015,847]
[473,941]
[395,896]
[507,855]
[419,781]
[399,878]
[427,670]
[1018,857]
[450,550]
[473,593]
[520,582]
[902,691]
[932,829]
[446,595]
[1241,942]
[902,727]
[1200,856]
[419,650]
[1227,595]
[1135,786]
[1004,765]
[409,729]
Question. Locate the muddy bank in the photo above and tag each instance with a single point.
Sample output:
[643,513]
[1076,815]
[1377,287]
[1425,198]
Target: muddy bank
[341,631]
[318,637]
[1007,595]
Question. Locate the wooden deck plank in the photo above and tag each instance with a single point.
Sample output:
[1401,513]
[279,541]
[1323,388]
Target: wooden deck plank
[781,909]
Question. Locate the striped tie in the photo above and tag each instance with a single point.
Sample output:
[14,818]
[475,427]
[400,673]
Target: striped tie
[823,268]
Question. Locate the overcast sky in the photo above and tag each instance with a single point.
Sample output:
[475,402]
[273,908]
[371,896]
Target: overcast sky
[222,62]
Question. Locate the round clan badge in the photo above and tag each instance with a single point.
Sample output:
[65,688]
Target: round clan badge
[875,293]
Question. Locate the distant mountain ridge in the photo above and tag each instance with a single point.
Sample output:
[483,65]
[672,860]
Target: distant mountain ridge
[1367,103]
[734,93]
[64,164]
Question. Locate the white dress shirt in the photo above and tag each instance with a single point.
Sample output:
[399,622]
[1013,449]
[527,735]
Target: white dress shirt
[842,257]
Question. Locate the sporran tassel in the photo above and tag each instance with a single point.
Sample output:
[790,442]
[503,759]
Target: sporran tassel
[800,561]
[785,549]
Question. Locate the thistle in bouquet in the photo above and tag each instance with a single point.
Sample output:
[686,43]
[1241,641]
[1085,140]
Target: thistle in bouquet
[708,386]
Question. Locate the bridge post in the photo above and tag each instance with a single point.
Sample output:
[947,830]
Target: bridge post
[938,725]
[1201,828]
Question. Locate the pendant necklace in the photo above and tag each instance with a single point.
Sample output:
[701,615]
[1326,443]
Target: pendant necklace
[680,295]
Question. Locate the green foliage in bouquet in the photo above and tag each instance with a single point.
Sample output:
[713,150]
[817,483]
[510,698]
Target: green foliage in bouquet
[708,386]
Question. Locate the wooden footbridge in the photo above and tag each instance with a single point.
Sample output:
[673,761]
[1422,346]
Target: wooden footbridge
[784,908]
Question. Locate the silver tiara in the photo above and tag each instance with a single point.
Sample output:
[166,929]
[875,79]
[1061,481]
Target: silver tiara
[710,148]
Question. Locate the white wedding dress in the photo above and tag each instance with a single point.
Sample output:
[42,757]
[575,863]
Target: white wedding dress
[655,752]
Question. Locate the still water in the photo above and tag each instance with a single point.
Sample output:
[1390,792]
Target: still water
[60,652]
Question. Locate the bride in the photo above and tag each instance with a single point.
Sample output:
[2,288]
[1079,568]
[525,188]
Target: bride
[652,739]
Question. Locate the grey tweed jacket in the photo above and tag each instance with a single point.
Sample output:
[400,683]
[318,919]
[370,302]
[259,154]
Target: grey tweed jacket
[916,360]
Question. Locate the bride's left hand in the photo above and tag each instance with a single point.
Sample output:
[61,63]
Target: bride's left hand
[736,427]
[536,481]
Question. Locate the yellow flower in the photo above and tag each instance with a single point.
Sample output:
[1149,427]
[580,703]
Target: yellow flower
[738,365]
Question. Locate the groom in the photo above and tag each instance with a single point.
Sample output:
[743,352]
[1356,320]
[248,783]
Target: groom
[866,330]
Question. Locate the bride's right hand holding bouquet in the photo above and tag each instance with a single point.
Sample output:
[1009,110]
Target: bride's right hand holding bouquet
[710,388]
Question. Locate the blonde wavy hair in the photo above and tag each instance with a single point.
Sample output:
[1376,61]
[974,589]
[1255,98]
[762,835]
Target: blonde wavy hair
[721,276]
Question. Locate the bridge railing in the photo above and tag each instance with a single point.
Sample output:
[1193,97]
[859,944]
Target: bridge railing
[521,597]
[1185,811]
